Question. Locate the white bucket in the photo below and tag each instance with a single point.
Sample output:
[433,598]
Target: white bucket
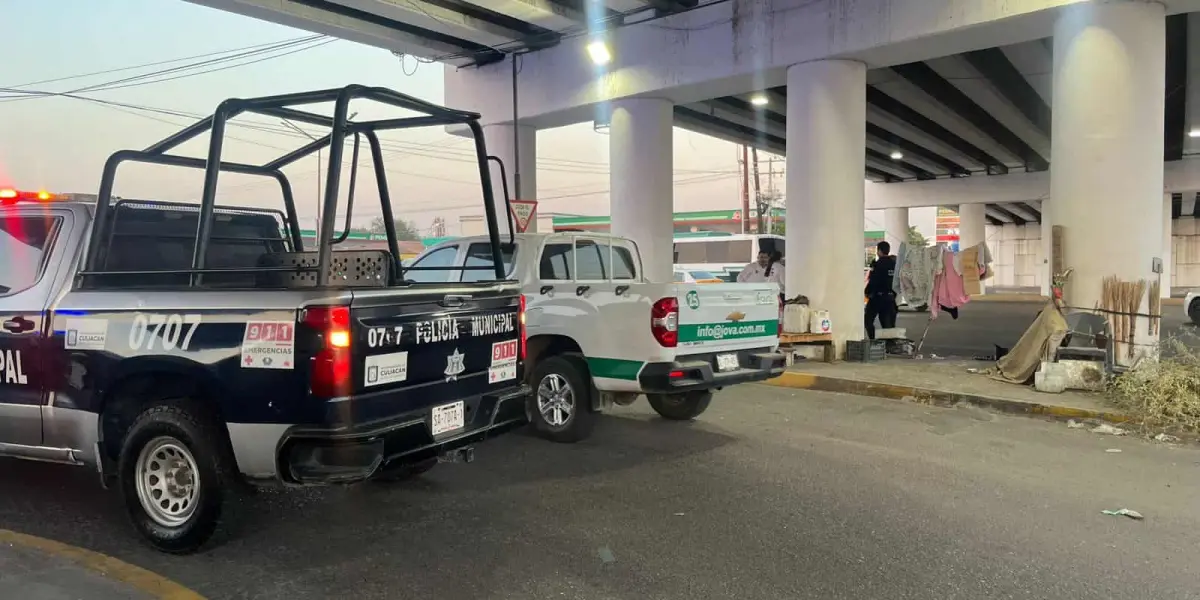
[795,318]
[819,322]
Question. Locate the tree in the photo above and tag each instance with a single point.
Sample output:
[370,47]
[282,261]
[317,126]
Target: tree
[406,231]
[915,238]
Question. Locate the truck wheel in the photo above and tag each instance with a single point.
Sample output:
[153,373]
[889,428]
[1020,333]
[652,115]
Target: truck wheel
[1194,311]
[174,476]
[680,407]
[404,472]
[560,407]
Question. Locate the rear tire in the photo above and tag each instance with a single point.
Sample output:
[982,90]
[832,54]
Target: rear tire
[1194,311]
[681,407]
[175,475]
[560,407]
[405,472]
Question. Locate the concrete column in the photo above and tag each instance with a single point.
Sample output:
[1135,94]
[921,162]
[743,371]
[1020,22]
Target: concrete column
[972,224]
[500,143]
[1046,266]
[826,132]
[640,155]
[1107,177]
[1168,239]
[895,225]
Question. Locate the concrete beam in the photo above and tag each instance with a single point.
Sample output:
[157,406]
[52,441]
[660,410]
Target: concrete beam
[731,48]
[300,16]
[432,17]
[542,13]
[1179,176]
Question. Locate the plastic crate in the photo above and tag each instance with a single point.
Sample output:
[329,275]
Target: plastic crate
[866,350]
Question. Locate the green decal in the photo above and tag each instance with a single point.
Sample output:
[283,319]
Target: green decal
[707,332]
[614,368]
[693,300]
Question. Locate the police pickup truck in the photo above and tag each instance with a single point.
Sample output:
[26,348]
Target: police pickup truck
[186,350]
[601,334]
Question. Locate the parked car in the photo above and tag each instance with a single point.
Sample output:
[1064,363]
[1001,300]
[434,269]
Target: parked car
[600,334]
[185,350]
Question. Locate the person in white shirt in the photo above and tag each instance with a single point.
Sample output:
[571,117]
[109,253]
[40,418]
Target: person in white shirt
[756,272]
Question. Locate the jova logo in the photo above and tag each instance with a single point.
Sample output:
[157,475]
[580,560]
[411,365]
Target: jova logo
[693,300]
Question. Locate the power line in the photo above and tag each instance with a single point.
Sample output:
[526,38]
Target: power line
[161,62]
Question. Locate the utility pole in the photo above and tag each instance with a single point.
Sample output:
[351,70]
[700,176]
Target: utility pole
[745,163]
[757,189]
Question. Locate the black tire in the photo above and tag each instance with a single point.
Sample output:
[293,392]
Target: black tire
[572,374]
[189,428]
[1194,311]
[680,407]
[404,472]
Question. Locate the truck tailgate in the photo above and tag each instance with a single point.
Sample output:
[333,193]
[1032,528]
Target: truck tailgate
[416,350]
[727,316]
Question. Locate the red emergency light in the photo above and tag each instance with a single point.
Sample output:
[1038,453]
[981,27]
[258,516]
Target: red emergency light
[11,195]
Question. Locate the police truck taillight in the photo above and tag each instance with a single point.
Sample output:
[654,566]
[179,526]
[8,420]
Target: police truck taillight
[330,372]
[521,324]
[664,322]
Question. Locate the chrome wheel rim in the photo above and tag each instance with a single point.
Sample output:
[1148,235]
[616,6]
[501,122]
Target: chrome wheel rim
[556,400]
[168,481]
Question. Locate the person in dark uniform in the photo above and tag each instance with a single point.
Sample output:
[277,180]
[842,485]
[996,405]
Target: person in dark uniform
[881,299]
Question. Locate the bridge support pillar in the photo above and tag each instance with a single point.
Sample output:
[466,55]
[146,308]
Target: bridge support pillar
[1106,179]
[895,227]
[826,132]
[641,184]
[972,227]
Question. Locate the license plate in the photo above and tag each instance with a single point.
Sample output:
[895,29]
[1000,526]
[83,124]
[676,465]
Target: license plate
[447,418]
[727,362]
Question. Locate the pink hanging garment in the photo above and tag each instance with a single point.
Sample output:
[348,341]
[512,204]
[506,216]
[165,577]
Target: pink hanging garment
[947,287]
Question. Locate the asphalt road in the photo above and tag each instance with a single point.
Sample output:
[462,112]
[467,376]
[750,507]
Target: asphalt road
[981,325]
[774,494]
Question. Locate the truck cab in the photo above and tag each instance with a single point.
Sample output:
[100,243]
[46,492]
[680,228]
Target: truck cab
[600,333]
[187,350]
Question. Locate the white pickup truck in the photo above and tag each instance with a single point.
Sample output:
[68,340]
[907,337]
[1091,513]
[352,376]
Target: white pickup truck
[599,334]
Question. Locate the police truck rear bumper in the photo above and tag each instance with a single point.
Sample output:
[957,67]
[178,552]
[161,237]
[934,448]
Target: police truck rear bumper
[310,456]
[699,372]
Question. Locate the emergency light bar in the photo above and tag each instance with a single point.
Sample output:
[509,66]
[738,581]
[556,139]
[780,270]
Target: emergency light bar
[10,195]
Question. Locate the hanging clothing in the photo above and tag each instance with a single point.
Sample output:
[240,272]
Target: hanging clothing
[901,253]
[917,273]
[948,289]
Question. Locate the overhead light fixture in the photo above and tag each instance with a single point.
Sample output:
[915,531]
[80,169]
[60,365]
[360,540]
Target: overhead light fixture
[759,100]
[1195,133]
[598,51]
[897,155]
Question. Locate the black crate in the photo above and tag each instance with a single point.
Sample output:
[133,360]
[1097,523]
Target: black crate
[866,350]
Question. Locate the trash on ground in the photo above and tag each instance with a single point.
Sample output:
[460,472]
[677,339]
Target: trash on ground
[1073,424]
[1113,451]
[1166,438]
[606,555]
[1107,429]
[679,514]
[975,371]
[1124,512]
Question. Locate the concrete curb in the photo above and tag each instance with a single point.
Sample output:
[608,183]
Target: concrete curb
[808,381]
[1032,298]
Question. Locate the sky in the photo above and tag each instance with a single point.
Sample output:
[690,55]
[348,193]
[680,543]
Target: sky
[60,143]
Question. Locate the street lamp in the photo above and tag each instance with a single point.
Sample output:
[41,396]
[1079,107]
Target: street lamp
[294,127]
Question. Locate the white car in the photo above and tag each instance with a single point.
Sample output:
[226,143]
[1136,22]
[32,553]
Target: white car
[599,334]
[1191,307]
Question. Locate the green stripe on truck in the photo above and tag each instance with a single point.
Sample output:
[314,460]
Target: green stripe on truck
[708,332]
[614,368]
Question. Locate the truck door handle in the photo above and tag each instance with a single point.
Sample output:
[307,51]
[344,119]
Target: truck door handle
[18,325]
[546,289]
[581,290]
[621,289]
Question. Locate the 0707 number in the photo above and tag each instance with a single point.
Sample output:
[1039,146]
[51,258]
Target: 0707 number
[176,331]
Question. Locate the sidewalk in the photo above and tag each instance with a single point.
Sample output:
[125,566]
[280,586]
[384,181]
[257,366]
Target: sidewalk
[943,383]
[33,568]
[1036,297]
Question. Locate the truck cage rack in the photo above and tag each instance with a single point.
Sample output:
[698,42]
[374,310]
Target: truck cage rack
[283,106]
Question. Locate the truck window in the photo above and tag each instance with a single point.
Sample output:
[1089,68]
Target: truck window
[590,259]
[25,243]
[480,255]
[440,258]
[623,266]
[556,262]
